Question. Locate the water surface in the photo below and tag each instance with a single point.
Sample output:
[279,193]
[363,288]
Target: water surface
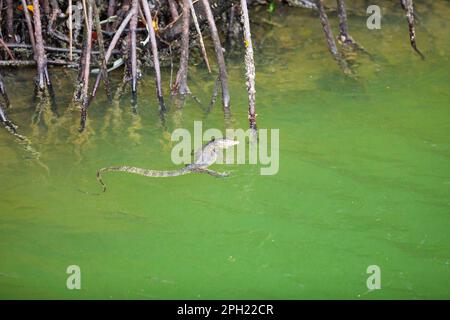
[364,178]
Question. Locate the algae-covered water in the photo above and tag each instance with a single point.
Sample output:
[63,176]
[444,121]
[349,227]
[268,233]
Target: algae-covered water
[364,177]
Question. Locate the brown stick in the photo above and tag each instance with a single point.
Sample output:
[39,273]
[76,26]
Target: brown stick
[111,47]
[27,63]
[173,10]
[219,54]
[86,71]
[77,97]
[29,24]
[408,6]
[344,37]
[180,85]
[101,46]
[70,8]
[330,38]
[343,28]
[327,29]
[249,65]
[85,15]
[133,55]
[199,32]
[9,20]
[155,54]
[47,48]
[111,12]
[175,29]
[41,59]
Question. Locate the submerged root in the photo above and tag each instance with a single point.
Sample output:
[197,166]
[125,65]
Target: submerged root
[408,6]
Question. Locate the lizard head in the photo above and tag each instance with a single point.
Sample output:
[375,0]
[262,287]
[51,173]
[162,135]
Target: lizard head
[207,155]
[224,143]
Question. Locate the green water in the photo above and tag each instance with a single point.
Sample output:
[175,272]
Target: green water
[364,179]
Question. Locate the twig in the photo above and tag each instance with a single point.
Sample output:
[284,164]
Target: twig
[408,6]
[70,31]
[154,49]
[344,37]
[9,19]
[29,24]
[343,28]
[133,54]
[327,29]
[249,65]
[330,38]
[111,47]
[219,54]
[199,32]
[174,29]
[49,49]
[85,87]
[101,45]
[85,14]
[180,85]
[27,63]
[173,9]
[41,60]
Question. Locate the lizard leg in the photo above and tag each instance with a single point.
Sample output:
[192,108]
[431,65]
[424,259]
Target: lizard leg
[213,173]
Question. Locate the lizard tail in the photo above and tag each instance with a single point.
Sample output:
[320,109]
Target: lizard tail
[142,172]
